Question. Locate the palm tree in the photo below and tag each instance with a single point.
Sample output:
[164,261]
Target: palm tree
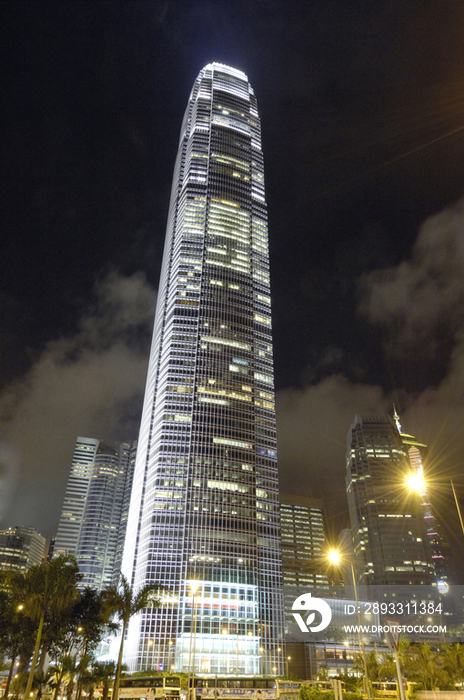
[124,602]
[16,630]
[103,674]
[90,616]
[387,668]
[97,674]
[65,669]
[452,658]
[41,680]
[47,591]
[422,667]
[373,665]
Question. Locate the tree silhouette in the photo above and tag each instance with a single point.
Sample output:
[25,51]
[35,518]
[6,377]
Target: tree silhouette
[44,593]
[124,602]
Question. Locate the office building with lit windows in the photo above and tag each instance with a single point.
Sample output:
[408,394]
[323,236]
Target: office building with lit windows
[93,520]
[204,514]
[389,535]
[303,549]
[20,548]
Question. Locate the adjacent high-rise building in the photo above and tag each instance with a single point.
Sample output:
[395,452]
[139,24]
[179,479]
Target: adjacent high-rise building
[20,548]
[388,530]
[94,515]
[303,568]
[204,515]
[304,565]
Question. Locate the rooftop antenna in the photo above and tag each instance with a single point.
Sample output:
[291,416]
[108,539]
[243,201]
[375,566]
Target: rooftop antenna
[396,418]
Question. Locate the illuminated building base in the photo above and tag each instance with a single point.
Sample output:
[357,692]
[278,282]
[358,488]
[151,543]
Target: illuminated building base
[218,654]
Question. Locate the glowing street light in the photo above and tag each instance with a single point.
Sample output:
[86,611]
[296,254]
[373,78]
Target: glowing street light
[415,482]
[333,555]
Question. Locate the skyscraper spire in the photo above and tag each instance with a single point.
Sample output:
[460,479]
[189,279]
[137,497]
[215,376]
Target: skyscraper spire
[204,513]
[396,418]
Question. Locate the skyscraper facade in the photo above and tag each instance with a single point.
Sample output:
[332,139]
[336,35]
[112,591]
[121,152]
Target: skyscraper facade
[20,548]
[303,548]
[94,515]
[72,512]
[389,535]
[204,515]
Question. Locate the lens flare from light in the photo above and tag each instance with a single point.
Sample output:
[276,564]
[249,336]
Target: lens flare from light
[334,556]
[416,482]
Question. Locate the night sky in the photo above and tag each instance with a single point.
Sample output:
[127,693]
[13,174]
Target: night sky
[362,110]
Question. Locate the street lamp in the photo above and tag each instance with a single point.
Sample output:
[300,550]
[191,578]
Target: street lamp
[194,585]
[225,632]
[457,506]
[289,658]
[416,482]
[335,558]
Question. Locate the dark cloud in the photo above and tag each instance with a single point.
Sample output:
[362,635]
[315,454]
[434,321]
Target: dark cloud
[424,295]
[420,306]
[84,384]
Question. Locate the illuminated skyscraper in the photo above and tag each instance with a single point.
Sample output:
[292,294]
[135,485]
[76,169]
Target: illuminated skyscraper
[20,548]
[303,548]
[388,530]
[204,509]
[94,515]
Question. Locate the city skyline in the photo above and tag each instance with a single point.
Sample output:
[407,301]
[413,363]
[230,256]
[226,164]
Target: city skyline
[363,134]
[204,517]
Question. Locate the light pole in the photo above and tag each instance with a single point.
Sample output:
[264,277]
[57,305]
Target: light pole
[457,506]
[171,655]
[335,558]
[289,658]
[193,587]
[226,647]
[195,606]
